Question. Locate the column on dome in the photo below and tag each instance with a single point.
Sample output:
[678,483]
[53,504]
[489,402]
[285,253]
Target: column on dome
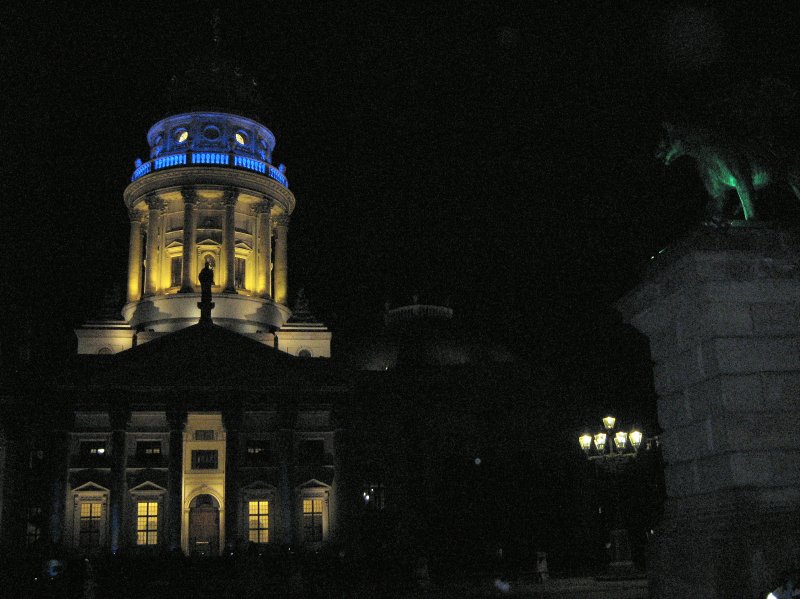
[154,207]
[229,200]
[264,249]
[135,257]
[189,195]
[281,275]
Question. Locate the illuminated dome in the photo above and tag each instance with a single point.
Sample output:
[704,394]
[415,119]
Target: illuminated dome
[208,194]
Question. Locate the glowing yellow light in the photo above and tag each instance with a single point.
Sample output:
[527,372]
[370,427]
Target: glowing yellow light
[586,442]
[183,136]
[621,439]
[609,422]
[241,139]
[600,441]
[636,438]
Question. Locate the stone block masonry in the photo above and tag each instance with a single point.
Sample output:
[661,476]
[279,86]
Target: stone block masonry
[722,313]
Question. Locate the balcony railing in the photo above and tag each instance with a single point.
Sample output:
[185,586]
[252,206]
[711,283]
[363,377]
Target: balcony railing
[215,158]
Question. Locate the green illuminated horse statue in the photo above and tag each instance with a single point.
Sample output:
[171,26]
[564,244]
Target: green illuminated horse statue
[724,165]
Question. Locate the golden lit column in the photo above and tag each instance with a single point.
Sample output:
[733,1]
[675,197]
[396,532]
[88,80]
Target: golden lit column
[281,281]
[189,239]
[229,199]
[264,249]
[154,207]
[135,258]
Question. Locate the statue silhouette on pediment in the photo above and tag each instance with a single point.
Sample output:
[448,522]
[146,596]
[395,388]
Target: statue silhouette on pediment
[206,277]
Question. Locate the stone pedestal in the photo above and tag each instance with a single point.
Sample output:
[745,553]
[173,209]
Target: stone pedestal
[722,312]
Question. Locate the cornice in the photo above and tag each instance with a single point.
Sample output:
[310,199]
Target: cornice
[209,177]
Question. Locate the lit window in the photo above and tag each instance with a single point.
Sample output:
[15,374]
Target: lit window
[148,451]
[90,525]
[241,138]
[204,459]
[258,451]
[258,521]
[147,523]
[239,273]
[312,520]
[181,135]
[176,271]
[94,451]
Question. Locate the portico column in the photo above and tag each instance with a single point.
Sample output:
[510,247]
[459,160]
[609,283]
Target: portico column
[281,281]
[229,239]
[154,206]
[177,422]
[59,443]
[232,418]
[119,416]
[135,257]
[189,239]
[264,249]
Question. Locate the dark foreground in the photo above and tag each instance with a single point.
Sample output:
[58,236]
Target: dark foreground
[310,575]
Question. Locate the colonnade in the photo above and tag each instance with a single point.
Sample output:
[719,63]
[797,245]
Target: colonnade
[272,276]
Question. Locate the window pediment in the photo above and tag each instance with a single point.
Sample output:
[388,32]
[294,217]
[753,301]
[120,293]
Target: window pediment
[147,487]
[91,487]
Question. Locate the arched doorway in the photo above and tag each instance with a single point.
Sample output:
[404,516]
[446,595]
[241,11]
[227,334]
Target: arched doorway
[204,526]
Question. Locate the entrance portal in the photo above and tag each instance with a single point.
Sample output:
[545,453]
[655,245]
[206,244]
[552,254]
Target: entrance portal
[204,526]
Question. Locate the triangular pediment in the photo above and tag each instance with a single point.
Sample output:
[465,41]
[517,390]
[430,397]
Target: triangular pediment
[91,487]
[243,246]
[147,486]
[208,241]
[213,357]
[174,244]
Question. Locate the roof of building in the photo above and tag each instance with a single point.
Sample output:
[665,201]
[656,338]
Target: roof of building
[208,356]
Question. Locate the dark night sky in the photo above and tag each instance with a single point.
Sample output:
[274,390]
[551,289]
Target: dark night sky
[495,154]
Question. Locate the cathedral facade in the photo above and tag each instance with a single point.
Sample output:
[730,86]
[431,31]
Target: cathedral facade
[168,433]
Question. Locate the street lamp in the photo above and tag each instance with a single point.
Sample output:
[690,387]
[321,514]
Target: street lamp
[611,449]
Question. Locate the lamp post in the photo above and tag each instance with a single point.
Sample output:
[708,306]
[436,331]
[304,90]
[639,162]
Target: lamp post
[611,449]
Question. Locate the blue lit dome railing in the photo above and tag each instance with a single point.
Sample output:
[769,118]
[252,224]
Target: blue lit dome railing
[212,158]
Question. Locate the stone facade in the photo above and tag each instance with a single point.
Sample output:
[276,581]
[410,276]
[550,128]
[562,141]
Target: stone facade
[722,312]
